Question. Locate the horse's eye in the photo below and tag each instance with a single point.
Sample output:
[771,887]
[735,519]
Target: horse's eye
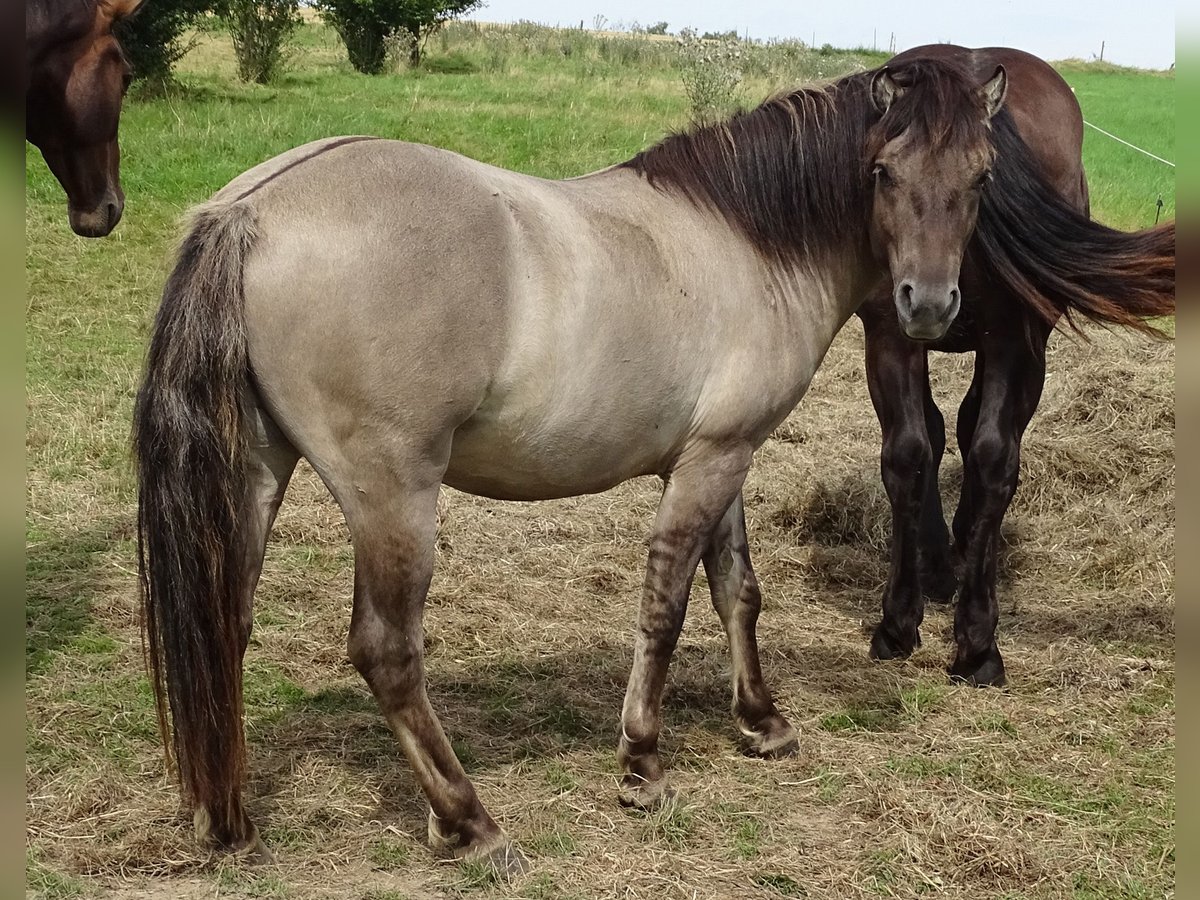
[982,180]
[882,175]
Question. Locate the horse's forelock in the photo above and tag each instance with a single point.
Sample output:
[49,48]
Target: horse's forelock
[939,102]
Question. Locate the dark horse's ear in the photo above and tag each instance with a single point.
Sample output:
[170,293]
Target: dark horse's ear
[884,89]
[995,90]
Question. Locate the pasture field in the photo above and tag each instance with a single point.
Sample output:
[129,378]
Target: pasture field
[1060,786]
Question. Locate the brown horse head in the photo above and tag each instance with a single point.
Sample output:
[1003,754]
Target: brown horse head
[76,79]
[931,156]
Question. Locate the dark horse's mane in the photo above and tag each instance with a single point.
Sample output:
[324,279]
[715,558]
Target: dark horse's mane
[792,174]
[52,22]
[1059,261]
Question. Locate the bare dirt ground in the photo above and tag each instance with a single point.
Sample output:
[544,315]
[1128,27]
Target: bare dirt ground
[1061,785]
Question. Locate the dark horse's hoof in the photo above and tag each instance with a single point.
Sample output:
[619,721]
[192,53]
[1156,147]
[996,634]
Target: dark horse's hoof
[982,670]
[939,586]
[886,646]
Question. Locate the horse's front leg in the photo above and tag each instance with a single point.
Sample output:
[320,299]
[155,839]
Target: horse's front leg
[737,600]
[897,376]
[698,493]
[1009,386]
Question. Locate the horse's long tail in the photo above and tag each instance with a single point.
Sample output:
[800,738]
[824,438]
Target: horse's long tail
[190,451]
[1058,260]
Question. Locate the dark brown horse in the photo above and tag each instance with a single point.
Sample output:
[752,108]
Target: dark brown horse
[1025,269]
[75,80]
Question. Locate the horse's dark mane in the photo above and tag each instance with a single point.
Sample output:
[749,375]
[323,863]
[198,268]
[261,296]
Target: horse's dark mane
[49,23]
[793,173]
[50,9]
[1056,259]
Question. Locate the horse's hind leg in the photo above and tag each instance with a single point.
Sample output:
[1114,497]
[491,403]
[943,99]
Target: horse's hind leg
[392,512]
[270,463]
[698,493]
[737,600]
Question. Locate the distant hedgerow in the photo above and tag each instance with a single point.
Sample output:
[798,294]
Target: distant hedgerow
[261,30]
[368,27]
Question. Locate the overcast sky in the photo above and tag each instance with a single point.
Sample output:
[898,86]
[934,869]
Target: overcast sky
[1135,32]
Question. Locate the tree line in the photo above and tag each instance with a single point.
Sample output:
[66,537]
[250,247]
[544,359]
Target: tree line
[158,35]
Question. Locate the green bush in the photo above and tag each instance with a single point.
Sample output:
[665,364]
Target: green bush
[711,71]
[153,38]
[261,30]
[368,27]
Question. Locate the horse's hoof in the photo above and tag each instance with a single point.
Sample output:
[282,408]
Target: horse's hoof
[778,742]
[506,860]
[939,586]
[645,795]
[983,670]
[251,849]
[885,646]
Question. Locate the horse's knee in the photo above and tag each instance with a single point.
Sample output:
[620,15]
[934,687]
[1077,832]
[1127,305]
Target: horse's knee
[387,660]
[906,455]
[995,460]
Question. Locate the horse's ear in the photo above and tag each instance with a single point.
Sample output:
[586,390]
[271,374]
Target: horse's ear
[884,89]
[121,9]
[995,90]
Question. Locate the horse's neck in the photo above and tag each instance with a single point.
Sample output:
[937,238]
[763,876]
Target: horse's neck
[826,290]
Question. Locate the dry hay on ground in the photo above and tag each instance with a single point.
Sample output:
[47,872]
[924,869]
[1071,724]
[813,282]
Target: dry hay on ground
[903,786]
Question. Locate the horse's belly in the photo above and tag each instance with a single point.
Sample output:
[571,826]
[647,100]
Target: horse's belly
[543,458]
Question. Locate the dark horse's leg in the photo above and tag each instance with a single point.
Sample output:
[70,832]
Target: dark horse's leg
[898,379]
[936,566]
[737,600]
[1010,370]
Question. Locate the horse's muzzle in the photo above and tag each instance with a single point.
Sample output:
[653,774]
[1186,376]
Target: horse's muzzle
[925,310]
[96,222]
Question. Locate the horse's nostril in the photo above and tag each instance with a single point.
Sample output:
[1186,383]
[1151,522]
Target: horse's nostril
[955,297]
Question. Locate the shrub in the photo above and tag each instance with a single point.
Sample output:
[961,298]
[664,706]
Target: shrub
[261,30]
[367,27]
[657,28]
[153,37]
[712,71]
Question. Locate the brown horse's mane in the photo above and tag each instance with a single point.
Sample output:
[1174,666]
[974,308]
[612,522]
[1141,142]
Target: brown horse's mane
[793,173]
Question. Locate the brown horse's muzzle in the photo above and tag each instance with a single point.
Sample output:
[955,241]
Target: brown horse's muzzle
[100,220]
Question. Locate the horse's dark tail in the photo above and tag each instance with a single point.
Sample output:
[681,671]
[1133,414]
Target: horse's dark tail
[1060,262]
[190,451]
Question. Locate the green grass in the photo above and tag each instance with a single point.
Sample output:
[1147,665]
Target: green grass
[1137,107]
